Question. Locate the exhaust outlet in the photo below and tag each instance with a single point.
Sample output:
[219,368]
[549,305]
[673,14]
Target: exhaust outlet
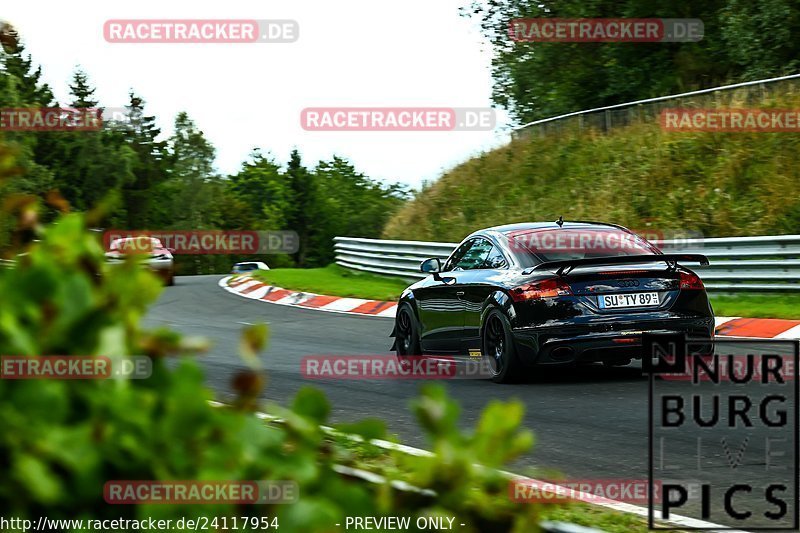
[563,352]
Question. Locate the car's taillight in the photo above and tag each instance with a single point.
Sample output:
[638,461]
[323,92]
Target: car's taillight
[691,281]
[548,288]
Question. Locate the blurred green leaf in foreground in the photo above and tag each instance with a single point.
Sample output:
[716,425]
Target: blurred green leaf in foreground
[62,440]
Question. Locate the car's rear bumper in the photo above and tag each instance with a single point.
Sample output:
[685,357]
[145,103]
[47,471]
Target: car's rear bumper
[164,269]
[610,342]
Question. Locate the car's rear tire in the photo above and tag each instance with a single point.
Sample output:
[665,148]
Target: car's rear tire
[406,333]
[498,345]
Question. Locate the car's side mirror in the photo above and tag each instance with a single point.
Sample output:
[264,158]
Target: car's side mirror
[431,266]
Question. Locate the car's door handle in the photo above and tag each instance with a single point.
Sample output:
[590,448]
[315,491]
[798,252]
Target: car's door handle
[460,293]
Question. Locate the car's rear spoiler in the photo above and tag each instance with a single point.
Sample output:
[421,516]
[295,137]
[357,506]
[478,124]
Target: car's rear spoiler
[569,264]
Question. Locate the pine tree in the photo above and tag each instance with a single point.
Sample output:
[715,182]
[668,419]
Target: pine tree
[140,133]
[81,91]
[29,88]
[302,186]
[187,200]
[88,166]
[21,86]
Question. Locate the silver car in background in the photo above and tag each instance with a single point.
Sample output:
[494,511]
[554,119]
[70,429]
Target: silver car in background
[248,266]
[153,255]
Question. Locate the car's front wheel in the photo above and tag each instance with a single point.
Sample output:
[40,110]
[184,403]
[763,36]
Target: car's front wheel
[406,333]
[499,347]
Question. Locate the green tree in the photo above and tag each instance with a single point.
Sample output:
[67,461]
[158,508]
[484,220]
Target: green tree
[140,133]
[536,80]
[82,92]
[761,36]
[21,86]
[193,196]
[88,166]
[265,190]
[348,204]
[258,197]
[28,85]
[304,197]
[185,196]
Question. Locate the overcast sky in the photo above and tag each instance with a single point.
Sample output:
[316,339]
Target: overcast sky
[357,53]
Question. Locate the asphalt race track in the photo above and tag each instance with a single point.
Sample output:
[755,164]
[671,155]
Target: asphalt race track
[590,423]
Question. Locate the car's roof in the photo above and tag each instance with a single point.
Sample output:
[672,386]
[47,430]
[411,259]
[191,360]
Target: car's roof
[533,226]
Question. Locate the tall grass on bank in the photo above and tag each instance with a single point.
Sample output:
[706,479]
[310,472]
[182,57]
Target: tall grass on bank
[722,184]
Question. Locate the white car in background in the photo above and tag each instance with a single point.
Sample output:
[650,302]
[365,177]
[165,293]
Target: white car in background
[248,266]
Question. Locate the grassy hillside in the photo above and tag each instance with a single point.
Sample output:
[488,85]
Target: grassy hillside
[721,184]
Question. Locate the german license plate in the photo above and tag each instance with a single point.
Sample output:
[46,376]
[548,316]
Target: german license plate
[631,299]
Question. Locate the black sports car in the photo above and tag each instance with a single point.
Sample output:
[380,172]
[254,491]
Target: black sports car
[555,293]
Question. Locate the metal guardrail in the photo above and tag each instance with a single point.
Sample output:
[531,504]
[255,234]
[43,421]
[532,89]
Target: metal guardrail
[608,117]
[395,258]
[758,264]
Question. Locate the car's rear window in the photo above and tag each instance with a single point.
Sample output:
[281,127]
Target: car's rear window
[533,247]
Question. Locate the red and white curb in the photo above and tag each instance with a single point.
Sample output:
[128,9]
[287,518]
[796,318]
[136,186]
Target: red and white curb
[761,328]
[257,290]
[726,326]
